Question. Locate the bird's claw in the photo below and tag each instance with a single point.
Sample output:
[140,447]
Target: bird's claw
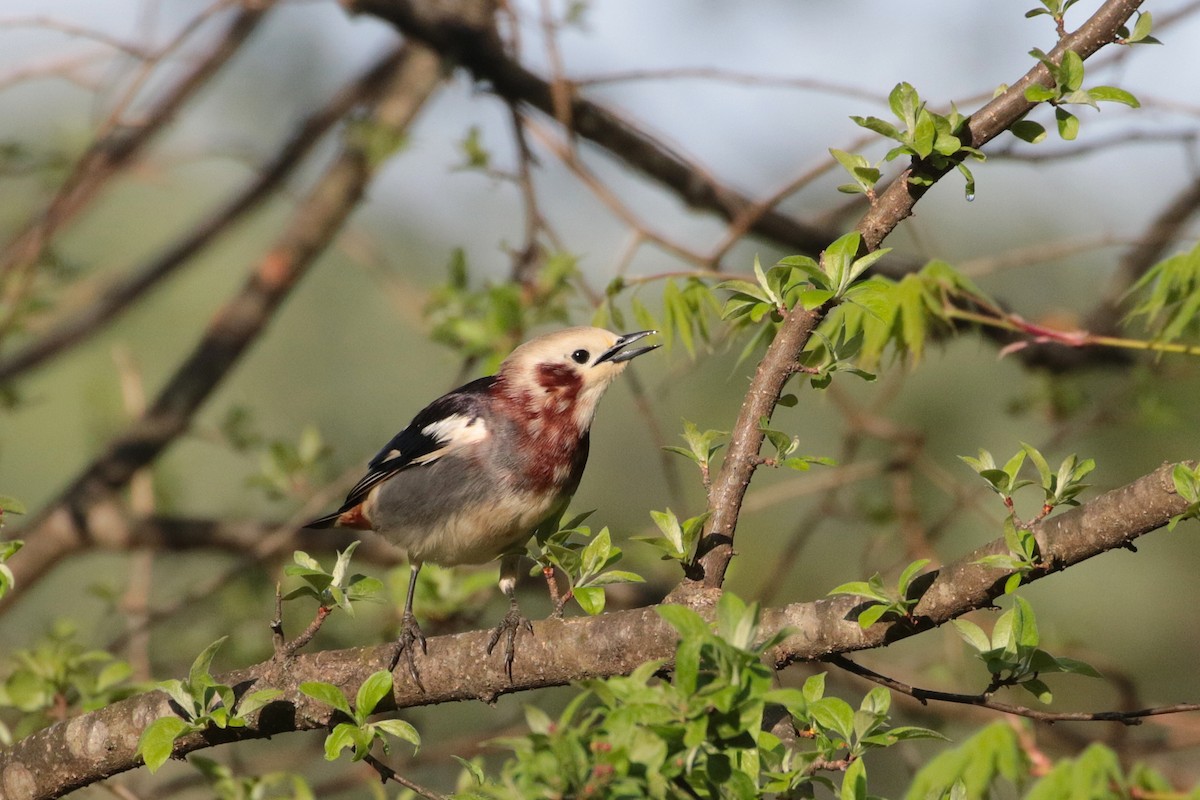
[410,634]
[508,627]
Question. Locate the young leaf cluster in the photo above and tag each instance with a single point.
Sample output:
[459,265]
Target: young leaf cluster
[584,559]
[1067,76]
[226,785]
[883,601]
[687,310]
[357,734]
[1012,655]
[799,281]
[977,767]
[785,447]
[337,588]
[701,447]
[678,540]
[922,135]
[200,702]
[442,593]
[701,734]
[1140,34]
[1170,297]
[826,355]
[1056,9]
[903,315]
[285,469]
[58,676]
[485,323]
[1059,487]
[1022,558]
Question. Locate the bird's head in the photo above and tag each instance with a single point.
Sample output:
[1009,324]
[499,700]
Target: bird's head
[566,372]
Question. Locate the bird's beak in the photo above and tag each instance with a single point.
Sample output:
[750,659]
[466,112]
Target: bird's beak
[614,353]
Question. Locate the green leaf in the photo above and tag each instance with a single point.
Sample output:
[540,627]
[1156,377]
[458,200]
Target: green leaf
[836,259]
[1142,28]
[687,622]
[11,505]
[328,694]
[1111,94]
[306,561]
[615,576]
[1071,68]
[1068,124]
[590,599]
[158,740]
[854,781]
[882,127]
[972,634]
[1038,689]
[198,675]
[923,134]
[909,573]
[668,523]
[255,700]
[376,687]
[596,554]
[342,736]
[860,589]
[835,715]
[869,616]
[399,729]
[1037,93]
[1039,461]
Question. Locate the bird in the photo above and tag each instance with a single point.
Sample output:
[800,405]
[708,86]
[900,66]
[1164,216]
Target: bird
[481,467]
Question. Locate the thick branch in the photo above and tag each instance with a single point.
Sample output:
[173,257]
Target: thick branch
[86,505]
[94,746]
[464,31]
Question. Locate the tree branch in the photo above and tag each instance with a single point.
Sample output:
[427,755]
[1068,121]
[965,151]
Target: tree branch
[88,748]
[985,700]
[107,155]
[893,206]
[85,507]
[117,298]
[464,32]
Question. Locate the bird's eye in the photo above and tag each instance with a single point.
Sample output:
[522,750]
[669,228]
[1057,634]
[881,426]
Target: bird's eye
[580,356]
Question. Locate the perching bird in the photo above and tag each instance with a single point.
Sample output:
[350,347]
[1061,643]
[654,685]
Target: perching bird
[478,469]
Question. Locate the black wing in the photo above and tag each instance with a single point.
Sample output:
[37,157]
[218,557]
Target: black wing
[414,445]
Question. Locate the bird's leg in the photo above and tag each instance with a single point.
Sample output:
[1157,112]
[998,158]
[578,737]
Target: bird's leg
[410,631]
[513,621]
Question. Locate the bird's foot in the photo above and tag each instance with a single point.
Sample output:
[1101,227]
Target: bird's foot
[410,635]
[508,627]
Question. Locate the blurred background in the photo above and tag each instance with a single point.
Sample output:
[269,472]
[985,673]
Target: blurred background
[754,95]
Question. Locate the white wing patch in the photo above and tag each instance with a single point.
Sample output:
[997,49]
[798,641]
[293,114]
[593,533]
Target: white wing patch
[455,432]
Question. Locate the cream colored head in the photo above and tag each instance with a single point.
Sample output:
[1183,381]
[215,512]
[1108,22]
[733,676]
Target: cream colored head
[567,371]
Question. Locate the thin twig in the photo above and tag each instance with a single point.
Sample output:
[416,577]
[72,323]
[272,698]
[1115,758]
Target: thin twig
[984,700]
[119,297]
[106,156]
[386,773]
